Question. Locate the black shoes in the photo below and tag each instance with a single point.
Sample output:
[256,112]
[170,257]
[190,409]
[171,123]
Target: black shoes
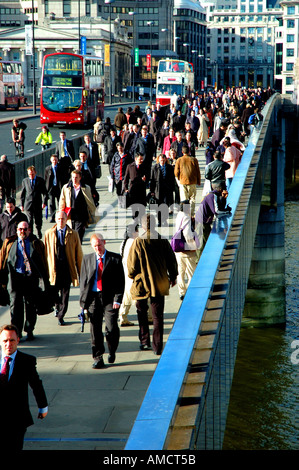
[111,358]
[30,336]
[99,364]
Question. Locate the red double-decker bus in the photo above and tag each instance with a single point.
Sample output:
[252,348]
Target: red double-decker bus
[11,84]
[72,89]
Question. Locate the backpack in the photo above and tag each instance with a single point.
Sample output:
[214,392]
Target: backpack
[23,125]
[101,136]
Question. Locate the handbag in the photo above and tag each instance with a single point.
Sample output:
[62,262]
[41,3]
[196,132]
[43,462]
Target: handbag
[178,241]
[110,184]
[44,298]
[98,171]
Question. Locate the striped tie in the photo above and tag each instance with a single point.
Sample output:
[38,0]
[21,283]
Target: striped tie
[26,260]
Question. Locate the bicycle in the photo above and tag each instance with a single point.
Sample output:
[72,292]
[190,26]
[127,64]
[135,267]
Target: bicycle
[19,146]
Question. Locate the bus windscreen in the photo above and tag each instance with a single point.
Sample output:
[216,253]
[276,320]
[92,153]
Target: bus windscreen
[62,100]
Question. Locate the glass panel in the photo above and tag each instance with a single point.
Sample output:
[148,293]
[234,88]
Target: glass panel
[167,89]
[62,100]
[171,66]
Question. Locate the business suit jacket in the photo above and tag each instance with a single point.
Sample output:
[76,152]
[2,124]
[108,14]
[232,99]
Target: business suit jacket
[8,258]
[31,198]
[65,200]
[14,394]
[69,147]
[134,183]
[113,279]
[49,178]
[94,158]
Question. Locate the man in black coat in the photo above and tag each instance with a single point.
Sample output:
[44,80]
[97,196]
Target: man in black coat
[91,148]
[102,284]
[53,182]
[33,188]
[110,146]
[66,154]
[162,188]
[10,218]
[145,145]
[14,381]
[23,268]
[134,185]
[7,180]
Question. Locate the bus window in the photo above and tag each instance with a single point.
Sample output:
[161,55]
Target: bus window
[87,68]
[162,66]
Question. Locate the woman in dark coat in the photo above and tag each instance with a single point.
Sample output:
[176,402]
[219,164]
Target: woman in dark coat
[162,187]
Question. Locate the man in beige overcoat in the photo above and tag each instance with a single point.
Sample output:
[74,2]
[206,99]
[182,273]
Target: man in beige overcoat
[64,256]
[153,267]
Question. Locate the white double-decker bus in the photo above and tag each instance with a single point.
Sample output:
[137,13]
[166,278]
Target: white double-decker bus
[173,76]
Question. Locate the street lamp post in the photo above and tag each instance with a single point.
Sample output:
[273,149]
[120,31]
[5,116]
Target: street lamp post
[186,44]
[33,60]
[150,23]
[110,40]
[79,27]
[133,13]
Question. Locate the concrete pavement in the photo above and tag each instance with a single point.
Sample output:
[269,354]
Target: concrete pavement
[92,409]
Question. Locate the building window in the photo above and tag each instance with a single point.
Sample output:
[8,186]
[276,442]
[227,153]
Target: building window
[289,66]
[291,10]
[290,52]
[87,7]
[290,23]
[290,37]
[289,80]
[66,8]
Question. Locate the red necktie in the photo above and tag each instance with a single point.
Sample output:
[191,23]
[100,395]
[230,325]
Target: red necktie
[5,370]
[100,271]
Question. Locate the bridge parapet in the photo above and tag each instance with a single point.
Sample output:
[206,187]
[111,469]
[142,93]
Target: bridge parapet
[186,403]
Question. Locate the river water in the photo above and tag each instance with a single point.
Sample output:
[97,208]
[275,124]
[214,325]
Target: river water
[264,405]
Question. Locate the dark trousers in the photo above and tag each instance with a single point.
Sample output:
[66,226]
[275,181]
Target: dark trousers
[35,216]
[62,294]
[54,195]
[80,228]
[20,298]
[13,439]
[98,311]
[157,306]
[62,288]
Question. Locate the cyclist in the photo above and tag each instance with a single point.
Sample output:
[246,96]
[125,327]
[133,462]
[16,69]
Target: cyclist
[45,138]
[18,136]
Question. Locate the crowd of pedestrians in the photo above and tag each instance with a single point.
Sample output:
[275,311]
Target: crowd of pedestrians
[151,156]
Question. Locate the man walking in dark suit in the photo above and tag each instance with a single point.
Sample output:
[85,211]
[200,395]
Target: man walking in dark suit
[33,188]
[22,266]
[18,370]
[145,145]
[66,154]
[7,180]
[91,148]
[102,284]
[64,257]
[53,181]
